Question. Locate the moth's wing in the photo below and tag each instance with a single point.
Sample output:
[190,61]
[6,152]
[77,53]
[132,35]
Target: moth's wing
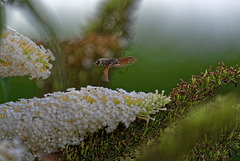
[127,61]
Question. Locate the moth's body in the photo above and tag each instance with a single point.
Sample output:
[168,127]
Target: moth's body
[114,62]
[107,61]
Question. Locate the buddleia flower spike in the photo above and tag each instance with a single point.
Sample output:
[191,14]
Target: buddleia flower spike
[20,56]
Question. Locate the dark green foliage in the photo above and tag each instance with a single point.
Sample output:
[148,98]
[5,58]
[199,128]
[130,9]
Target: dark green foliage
[225,148]
[214,127]
[197,90]
[119,144]
[200,87]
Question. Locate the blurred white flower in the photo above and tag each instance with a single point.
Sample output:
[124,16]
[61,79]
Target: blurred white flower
[10,150]
[20,56]
[60,118]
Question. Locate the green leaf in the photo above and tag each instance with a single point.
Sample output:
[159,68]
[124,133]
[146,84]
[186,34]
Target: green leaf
[231,135]
[208,79]
[205,74]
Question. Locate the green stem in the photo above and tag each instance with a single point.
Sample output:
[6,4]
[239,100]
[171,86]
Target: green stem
[5,88]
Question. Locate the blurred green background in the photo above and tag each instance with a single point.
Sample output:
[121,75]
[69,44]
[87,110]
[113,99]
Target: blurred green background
[171,40]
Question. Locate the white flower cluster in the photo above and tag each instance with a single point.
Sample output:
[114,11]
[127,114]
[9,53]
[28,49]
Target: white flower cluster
[62,118]
[10,150]
[20,56]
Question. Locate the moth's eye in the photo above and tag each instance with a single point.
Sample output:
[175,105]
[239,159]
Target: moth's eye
[97,62]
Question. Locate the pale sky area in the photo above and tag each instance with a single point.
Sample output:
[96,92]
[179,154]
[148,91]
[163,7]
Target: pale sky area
[216,17]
